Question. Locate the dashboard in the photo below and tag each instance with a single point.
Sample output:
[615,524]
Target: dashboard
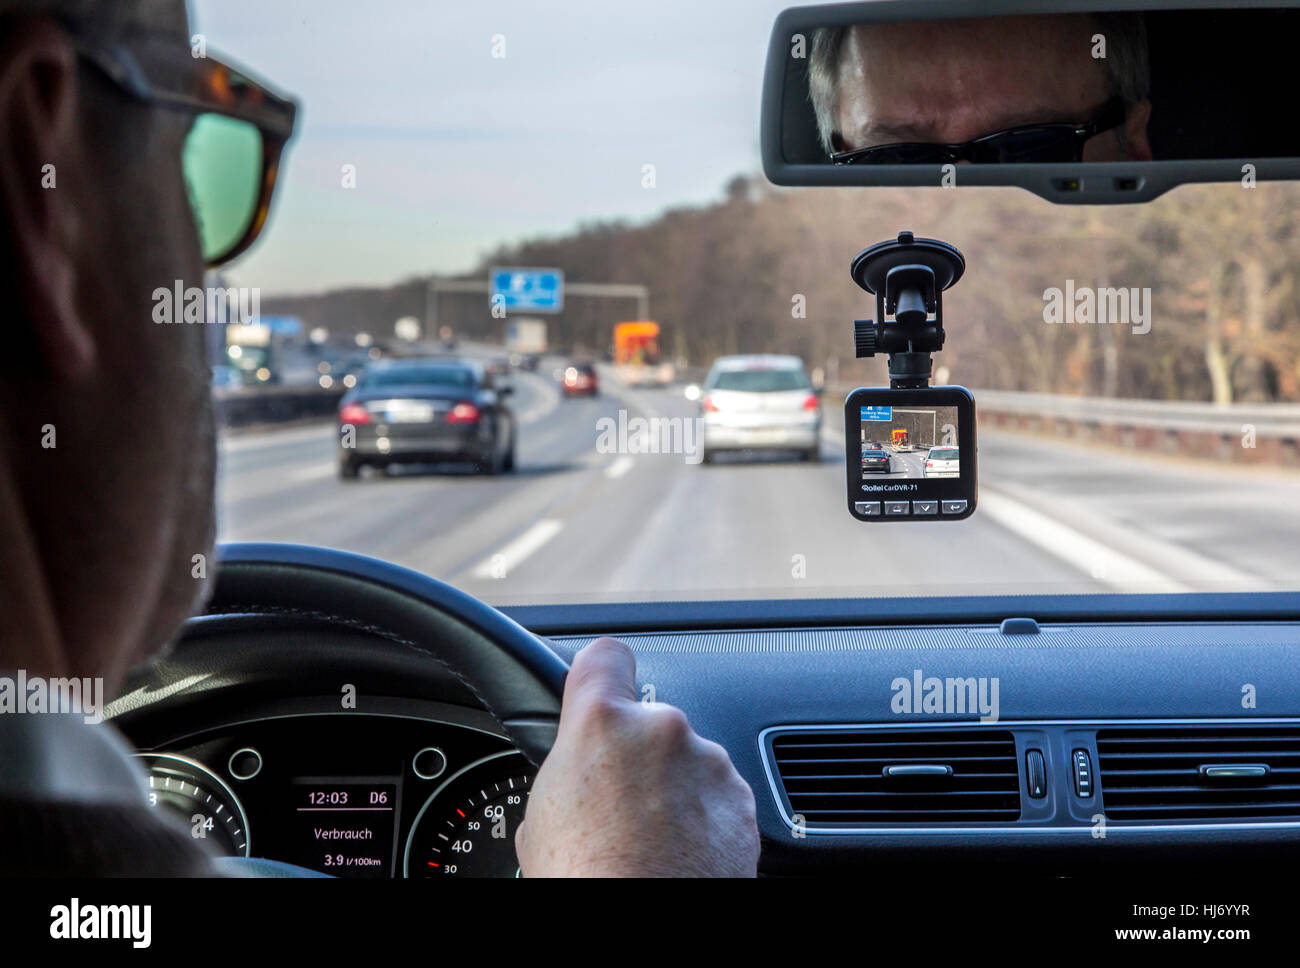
[1169,734]
[1064,748]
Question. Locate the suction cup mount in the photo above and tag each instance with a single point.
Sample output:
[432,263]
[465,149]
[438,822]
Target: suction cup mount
[907,275]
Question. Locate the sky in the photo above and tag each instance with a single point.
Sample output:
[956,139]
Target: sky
[457,151]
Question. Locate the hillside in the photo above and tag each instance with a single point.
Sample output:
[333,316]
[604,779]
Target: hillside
[1221,263]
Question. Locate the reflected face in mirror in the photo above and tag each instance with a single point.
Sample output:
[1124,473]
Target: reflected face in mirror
[985,88]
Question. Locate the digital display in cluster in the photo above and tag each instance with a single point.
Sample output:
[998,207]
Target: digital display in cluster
[344,826]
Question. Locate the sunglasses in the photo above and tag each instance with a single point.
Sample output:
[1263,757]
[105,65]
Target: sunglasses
[1056,142]
[231,155]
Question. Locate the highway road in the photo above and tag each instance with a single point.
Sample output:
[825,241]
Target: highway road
[902,465]
[574,524]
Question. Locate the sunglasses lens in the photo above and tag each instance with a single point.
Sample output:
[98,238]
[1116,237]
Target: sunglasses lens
[902,154]
[1028,146]
[222,161]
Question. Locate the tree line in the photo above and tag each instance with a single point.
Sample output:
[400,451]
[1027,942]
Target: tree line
[766,269]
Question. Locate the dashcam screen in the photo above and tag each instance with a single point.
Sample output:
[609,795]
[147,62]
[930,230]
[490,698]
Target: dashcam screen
[910,443]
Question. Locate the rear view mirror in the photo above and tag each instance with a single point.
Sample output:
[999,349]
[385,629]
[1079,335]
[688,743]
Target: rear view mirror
[1112,105]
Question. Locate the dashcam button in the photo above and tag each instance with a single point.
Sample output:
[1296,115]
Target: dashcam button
[954,507]
[925,507]
[897,508]
[868,509]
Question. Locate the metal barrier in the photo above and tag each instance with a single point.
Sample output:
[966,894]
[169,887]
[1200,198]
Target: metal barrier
[1237,433]
[243,406]
[1267,434]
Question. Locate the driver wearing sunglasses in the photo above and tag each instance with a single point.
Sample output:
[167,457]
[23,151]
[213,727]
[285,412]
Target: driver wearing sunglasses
[128,163]
[976,92]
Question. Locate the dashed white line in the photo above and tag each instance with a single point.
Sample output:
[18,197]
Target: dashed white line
[620,467]
[273,439]
[314,472]
[549,399]
[516,552]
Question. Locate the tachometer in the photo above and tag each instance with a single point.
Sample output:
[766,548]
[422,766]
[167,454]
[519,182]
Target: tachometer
[467,826]
[201,799]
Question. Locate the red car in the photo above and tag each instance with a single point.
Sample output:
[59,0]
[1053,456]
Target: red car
[580,380]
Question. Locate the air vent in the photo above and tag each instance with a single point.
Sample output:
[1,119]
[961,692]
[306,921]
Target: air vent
[1200,773]
[861,778]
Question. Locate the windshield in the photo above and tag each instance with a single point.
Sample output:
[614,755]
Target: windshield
[586,186]
[448,376]
[761,381]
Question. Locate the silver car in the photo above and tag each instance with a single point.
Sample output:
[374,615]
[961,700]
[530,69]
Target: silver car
[762,403]
[943,462]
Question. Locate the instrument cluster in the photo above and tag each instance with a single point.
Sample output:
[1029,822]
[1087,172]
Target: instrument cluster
[350,794]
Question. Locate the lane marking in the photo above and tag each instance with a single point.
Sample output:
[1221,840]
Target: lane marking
[1101,562]
[547,391]
[314,472]
[517,551]
[1177,561]
[620,467]
[234,487]
[234,443]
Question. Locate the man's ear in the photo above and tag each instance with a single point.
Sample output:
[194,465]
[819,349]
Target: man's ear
[1138,146]
[38,129]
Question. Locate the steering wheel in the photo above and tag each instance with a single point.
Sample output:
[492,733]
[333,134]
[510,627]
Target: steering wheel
[516,676]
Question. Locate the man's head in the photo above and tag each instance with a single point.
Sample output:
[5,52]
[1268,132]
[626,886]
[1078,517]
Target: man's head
[106,444]
[952,81]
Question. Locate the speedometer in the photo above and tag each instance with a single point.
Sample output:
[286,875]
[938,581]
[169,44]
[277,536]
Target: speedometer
[467,826]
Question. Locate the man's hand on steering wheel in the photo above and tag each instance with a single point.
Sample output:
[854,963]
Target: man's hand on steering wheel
[630,790]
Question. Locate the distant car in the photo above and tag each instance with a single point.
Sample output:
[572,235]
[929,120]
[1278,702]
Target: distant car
[760,402]
[580,379]
[530,362]
[345,370]
[875,459]
[499,366]
[942,462]
[426,410]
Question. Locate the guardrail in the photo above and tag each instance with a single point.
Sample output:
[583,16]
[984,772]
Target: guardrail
[1236,433]
[1266,434]
[243,406]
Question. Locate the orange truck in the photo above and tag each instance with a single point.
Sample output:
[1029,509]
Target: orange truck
[901,441]
[637,358]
